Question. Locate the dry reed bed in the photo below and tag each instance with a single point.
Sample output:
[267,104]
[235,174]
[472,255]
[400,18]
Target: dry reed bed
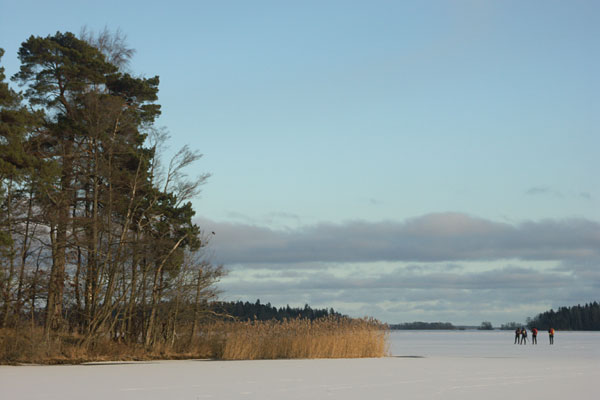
[301,338]
[298,338]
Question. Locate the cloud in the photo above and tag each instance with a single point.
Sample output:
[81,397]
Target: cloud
[543,190]
[432,238]
[375,202]
[272,218]
[513,277]
[442,266]
[550,192]
[466,295]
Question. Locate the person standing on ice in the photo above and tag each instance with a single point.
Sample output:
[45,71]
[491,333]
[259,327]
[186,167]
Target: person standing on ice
[551,335]
[517,336]
[534,332]
[523,336]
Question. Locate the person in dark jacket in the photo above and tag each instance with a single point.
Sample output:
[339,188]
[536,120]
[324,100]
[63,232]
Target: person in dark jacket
[534,332]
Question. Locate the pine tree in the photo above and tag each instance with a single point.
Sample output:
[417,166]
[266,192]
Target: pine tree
[16,165]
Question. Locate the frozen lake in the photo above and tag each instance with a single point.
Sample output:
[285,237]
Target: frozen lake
[584,345]
[424,365]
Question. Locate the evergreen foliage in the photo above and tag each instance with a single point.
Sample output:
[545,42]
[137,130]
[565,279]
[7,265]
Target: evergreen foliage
[485,326]
[510,326]
[417,325]
[576,318]
[247,311]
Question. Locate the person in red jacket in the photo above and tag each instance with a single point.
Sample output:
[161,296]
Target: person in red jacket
[551,335]
[534,332]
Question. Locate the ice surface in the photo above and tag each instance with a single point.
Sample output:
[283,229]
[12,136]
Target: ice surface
[423,365]
[494,344]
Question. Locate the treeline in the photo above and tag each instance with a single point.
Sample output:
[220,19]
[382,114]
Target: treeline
[247,311]
[96,235]
[577,318]
[424,326]
[485,326]
[511,326]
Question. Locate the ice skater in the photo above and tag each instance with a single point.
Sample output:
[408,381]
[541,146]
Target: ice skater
[551,335]
[534,332]
[517,336]
[523,336]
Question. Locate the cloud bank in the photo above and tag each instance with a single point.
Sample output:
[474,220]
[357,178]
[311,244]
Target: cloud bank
[442,266]
[431,238]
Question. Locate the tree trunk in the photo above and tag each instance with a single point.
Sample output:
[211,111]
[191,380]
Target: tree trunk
[7,295]
[56,285]
[24,254]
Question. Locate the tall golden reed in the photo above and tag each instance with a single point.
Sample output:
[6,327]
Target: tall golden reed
[330,337]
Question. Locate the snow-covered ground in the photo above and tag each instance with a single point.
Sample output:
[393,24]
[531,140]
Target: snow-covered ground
[423,365]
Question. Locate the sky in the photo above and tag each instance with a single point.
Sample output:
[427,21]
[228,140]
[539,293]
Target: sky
[406,160]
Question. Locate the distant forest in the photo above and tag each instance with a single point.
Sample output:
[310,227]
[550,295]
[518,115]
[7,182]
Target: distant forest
[576,318]
[256,311]
[417,325]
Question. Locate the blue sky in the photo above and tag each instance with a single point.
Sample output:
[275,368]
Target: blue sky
[389,130]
